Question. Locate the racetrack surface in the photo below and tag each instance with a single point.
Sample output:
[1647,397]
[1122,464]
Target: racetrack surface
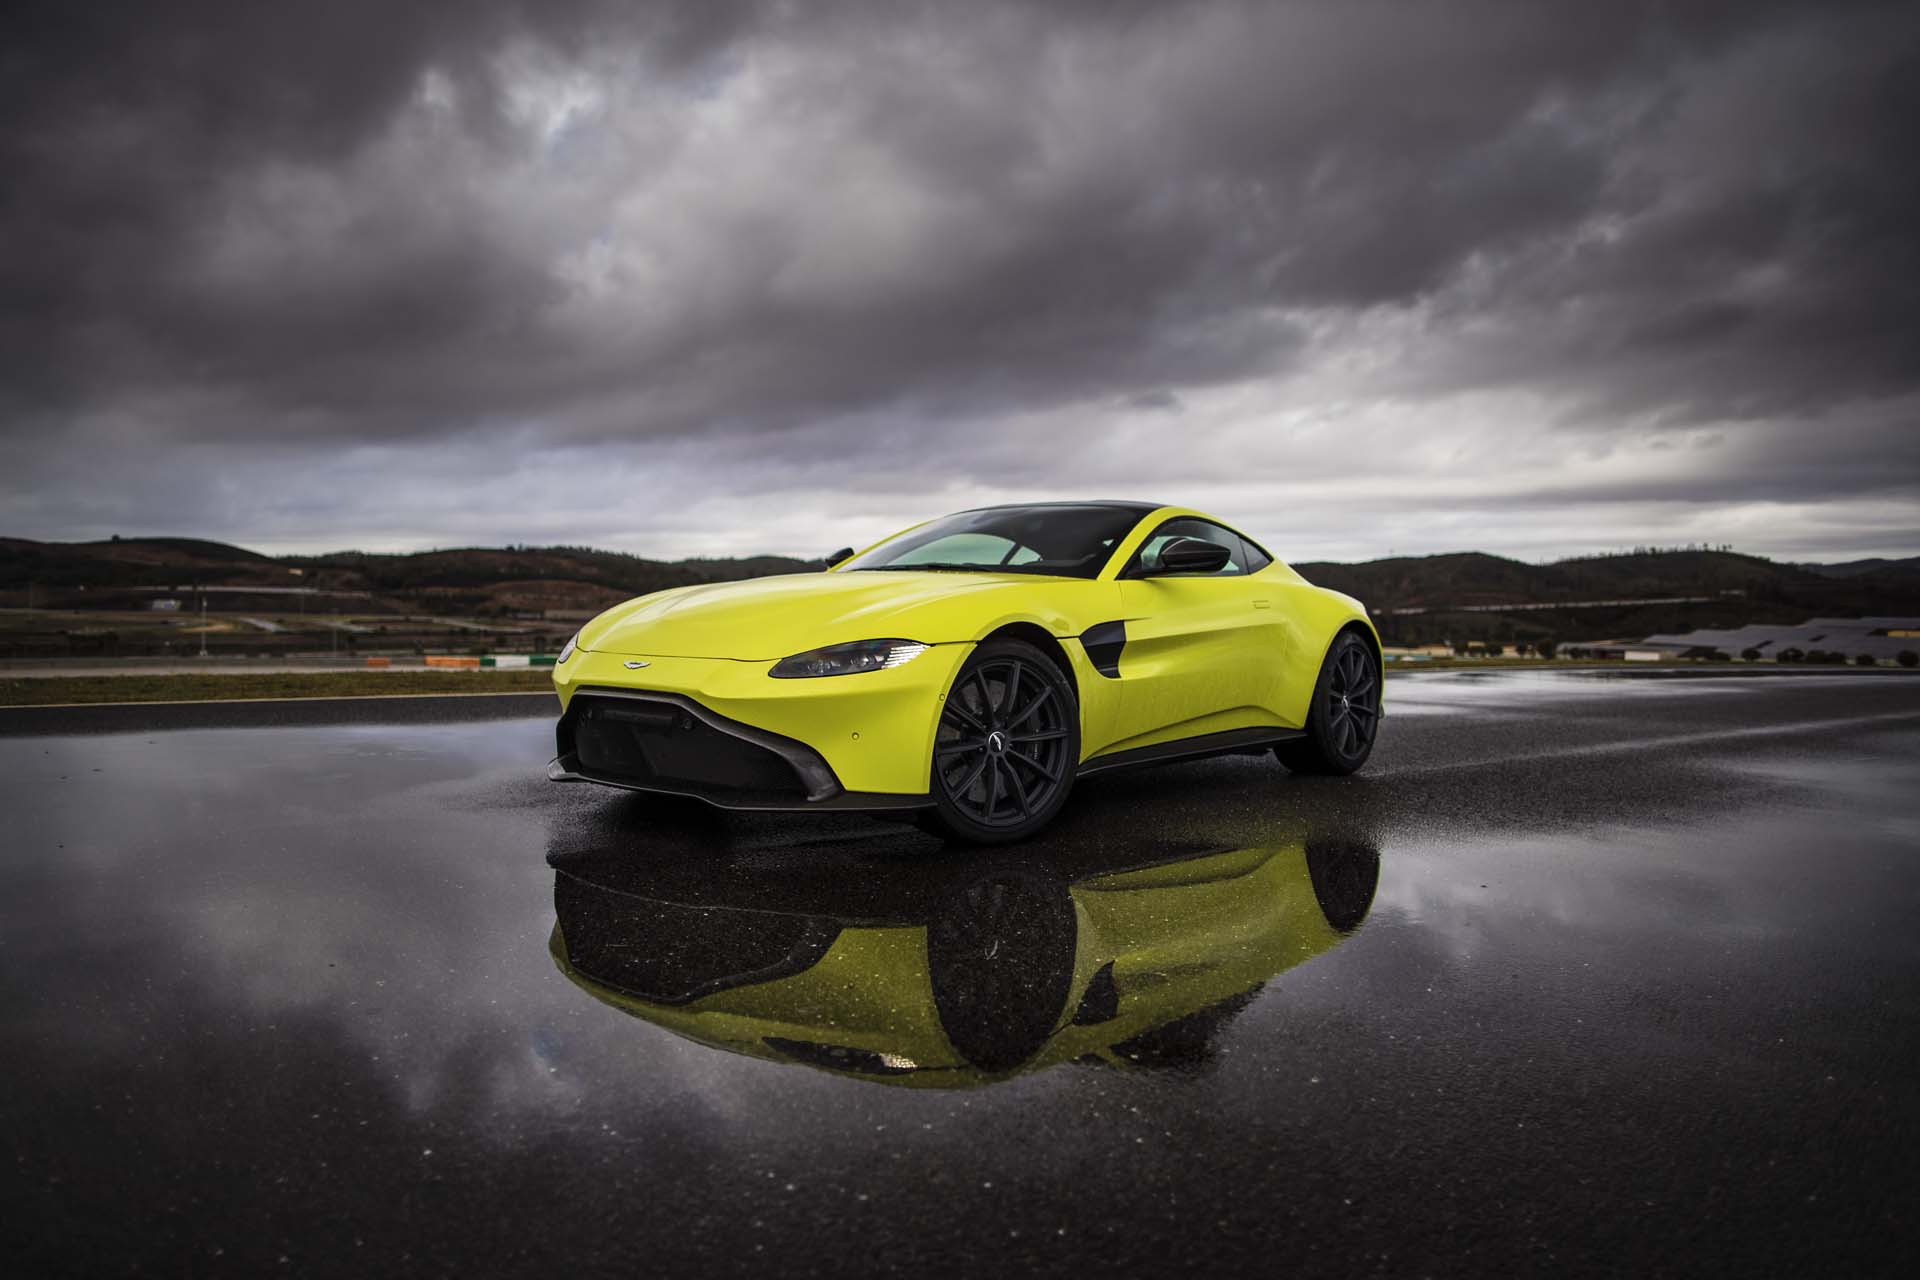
[1636,990]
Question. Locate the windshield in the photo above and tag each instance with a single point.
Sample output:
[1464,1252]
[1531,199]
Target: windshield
[1063,541]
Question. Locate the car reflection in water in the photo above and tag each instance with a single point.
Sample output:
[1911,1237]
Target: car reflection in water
[957,969]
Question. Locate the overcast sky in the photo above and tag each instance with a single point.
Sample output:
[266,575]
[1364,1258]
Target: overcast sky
[711,278]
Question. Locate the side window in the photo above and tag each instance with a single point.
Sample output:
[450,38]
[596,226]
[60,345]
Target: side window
[1147,559]
[1256,558]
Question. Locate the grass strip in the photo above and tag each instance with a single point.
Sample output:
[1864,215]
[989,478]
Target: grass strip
[40,691]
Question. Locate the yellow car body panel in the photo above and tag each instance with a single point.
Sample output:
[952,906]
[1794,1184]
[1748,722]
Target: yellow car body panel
[1201,655]
[866,989]
[875,729]
[1170,941]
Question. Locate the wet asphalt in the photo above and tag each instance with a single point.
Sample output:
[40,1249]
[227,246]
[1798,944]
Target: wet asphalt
[1584,974]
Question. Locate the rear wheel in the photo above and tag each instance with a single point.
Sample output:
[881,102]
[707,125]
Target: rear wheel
[1006,747]
[1344,874]
[1345,713]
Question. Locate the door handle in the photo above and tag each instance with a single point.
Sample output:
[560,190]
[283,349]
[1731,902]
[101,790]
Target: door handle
[1263,604]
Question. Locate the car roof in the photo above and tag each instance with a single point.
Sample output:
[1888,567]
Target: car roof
[1140,508]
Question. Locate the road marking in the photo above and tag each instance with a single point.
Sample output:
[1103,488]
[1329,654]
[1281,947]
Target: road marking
[230,702]
[1654,744]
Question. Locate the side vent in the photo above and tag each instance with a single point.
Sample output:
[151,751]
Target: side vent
[1103,642]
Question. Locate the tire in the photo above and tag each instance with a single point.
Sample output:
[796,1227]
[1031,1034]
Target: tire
[1006,746]
[1000,955]
[1345,875]
[1344,717]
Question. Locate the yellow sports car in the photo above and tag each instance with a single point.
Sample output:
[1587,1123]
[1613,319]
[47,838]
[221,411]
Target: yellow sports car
[971,667]
[996,966]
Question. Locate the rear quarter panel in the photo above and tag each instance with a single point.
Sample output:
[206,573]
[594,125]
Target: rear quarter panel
[1313,616]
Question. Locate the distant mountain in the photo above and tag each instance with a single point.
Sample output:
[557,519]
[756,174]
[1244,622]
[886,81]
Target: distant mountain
[1859,568]
[1462,595]
[474,580]
[1474,578]
[128,562]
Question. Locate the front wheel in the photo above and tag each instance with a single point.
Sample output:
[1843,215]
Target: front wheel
[1345,713]
[1006,747]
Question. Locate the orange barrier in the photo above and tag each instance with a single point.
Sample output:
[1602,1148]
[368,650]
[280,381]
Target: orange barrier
[448,660]
[379,662]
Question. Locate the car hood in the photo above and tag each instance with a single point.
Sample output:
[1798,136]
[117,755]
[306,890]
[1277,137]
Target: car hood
[764,619]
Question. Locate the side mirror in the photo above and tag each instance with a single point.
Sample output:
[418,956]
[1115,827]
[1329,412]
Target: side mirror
[1189,555]
[836,557]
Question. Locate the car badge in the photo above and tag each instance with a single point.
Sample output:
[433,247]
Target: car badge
[636,664]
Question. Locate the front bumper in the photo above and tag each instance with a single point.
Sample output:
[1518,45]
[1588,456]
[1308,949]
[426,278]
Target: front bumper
[729,733]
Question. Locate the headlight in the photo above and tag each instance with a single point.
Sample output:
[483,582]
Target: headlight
[845,659]
[566,650]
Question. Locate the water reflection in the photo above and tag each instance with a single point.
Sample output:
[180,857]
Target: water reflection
[953,970]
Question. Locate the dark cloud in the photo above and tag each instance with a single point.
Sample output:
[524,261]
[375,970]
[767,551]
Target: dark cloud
[877,229]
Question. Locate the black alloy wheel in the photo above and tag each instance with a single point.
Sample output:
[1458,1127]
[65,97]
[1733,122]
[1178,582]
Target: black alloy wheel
[1345,714]
[1006,747]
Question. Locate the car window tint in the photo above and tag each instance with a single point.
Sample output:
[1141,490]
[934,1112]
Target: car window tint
[965,548]
[1067,540]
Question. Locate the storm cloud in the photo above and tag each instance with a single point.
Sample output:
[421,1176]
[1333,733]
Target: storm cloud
[711,278]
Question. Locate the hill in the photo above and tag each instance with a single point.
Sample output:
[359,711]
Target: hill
[124,562]
[474,581]
[487,580]
[1908,567]
[1474,596]
[1415,599]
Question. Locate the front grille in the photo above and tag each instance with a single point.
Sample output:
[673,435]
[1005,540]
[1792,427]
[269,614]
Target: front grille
[671,954]
[658,744]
